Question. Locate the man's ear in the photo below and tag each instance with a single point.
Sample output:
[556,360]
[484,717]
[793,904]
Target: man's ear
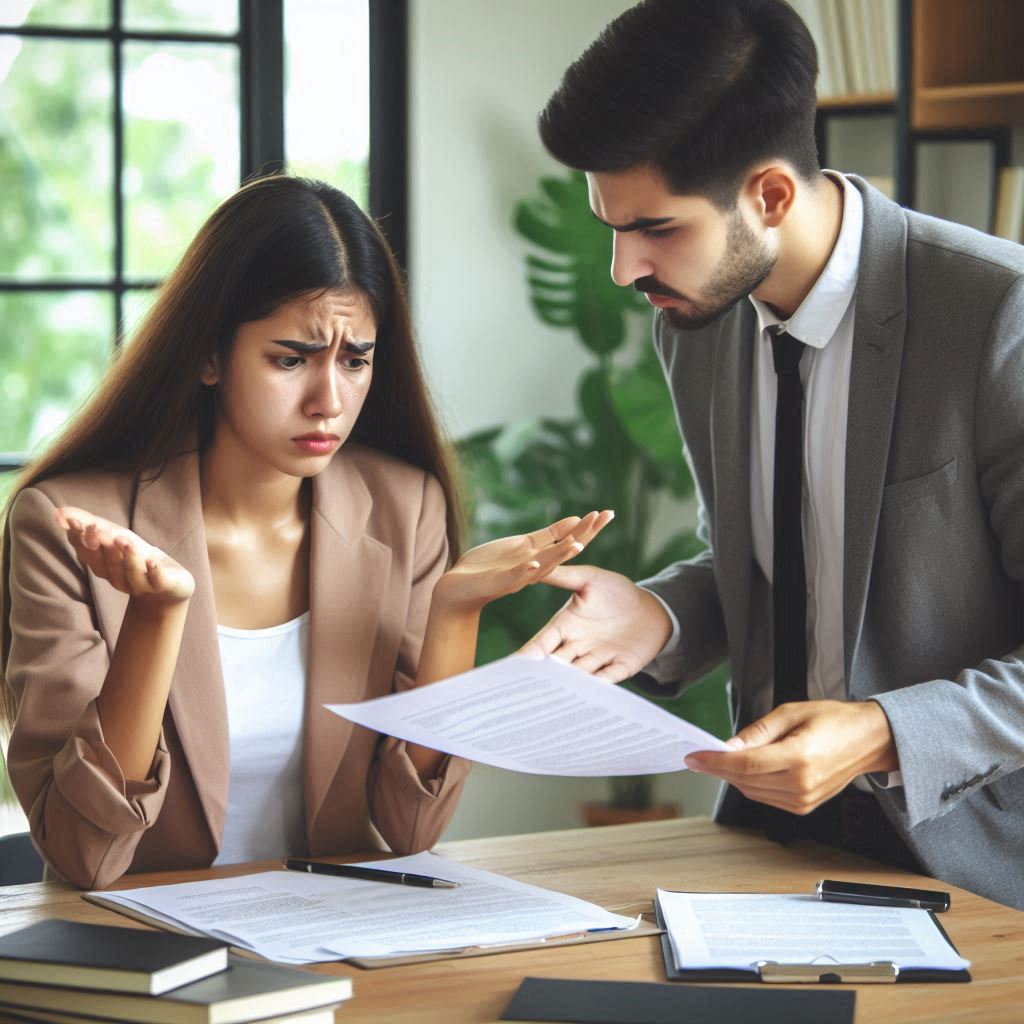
[210,374]
[772,191]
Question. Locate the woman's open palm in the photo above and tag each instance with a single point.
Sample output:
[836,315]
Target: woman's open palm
[124,559]
[508,565]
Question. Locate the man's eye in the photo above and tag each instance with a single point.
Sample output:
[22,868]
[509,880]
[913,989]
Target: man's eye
[289,362]
[657,232]
[354,362]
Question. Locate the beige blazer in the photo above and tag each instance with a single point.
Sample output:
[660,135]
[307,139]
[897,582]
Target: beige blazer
[378,546]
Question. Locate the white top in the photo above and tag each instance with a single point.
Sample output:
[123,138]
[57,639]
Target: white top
[265,688]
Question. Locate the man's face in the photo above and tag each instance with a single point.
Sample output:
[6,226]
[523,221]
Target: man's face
[690,259]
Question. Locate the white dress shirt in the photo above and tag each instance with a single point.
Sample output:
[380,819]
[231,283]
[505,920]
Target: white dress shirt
[824,323]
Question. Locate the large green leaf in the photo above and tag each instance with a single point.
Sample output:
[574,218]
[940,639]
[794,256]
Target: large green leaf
[570,286]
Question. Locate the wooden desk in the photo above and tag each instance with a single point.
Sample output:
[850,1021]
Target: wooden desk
[619,868]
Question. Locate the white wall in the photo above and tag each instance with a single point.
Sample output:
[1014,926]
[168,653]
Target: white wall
[479,75]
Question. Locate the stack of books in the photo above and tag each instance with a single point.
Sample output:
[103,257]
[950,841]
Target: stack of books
[67,972]
[1009,219]
[856,42]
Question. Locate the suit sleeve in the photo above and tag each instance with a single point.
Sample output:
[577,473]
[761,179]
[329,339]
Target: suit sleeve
[86,818]
[688,588]
[410,812]
[956,735]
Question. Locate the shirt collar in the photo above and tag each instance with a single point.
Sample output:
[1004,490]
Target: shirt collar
[818,316]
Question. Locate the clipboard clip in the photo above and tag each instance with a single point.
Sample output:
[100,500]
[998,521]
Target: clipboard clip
[879,972]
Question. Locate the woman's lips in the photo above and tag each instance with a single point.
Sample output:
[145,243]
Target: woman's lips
[316,444]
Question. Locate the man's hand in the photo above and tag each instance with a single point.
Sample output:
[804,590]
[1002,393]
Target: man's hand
[802,754]
[609,627]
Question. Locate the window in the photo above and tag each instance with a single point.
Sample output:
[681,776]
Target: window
[122,123]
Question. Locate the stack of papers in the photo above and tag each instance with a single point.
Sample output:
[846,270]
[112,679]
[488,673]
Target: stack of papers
[738,930]
[298,918]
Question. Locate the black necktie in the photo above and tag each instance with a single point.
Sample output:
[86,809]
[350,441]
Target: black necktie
[789,582]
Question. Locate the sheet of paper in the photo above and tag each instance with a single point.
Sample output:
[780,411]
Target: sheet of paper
[293,917]
[540,716]
[738,929]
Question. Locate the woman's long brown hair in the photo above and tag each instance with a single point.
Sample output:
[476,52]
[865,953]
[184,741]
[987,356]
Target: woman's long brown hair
[275,239]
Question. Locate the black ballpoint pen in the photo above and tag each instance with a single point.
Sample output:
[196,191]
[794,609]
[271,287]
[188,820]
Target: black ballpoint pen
[369,874]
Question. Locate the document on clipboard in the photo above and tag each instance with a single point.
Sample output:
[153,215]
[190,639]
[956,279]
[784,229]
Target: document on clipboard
[793,937]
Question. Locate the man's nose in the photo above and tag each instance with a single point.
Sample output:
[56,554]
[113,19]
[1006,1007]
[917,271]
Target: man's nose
[628,259]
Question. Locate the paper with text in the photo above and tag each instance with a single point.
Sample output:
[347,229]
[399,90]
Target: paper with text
[540,716]
[738,929]
[293,917]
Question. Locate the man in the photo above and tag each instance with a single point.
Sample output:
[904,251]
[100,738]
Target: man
[848,379]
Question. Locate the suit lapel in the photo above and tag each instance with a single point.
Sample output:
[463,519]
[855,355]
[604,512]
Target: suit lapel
[730,453]
[879,327]
[348,575]
[169,514]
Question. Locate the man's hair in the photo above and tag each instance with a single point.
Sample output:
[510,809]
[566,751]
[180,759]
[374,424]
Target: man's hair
[700,90]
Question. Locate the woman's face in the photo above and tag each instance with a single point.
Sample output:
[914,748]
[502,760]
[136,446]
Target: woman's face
[295,383]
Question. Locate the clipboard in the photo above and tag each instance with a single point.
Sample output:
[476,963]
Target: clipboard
[878,972]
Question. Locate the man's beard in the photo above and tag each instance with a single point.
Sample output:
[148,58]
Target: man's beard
[746,263]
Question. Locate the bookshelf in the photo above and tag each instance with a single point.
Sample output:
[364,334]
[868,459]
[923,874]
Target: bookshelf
[958,67]
[968,64]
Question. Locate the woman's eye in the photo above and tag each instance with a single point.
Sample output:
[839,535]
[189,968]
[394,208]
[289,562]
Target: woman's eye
[354,362]
[289,362]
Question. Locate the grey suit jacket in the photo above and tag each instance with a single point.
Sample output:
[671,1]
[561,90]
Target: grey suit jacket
[933,601]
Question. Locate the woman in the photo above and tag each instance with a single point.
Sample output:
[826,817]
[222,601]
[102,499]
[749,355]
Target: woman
[251,518]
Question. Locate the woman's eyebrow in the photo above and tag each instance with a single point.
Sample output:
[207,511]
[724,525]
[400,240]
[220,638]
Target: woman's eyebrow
[305,347]
[359,347]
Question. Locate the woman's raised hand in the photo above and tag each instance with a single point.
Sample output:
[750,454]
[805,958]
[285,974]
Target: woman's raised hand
[124,559]
[508,565]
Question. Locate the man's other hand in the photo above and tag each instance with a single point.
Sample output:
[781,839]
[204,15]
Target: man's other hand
[610,627]
[802,754]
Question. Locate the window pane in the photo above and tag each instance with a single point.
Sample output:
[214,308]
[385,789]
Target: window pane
[55,348]
[182,15]
[327,92]
[56,158]
[79,14]
[181,146]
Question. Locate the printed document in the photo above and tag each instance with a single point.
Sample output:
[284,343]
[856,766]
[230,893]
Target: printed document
[540,716]
[299,918]
[738,929]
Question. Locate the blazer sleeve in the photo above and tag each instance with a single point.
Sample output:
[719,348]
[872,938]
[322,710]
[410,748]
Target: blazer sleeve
[410,812]
[86,818]
[956,735]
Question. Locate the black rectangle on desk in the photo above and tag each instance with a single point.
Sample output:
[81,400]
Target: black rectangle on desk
[649,1002]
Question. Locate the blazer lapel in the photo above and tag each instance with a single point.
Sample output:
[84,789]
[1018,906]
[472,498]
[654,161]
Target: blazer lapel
[348,576]
[169,514]
[879,328]
[730,455]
